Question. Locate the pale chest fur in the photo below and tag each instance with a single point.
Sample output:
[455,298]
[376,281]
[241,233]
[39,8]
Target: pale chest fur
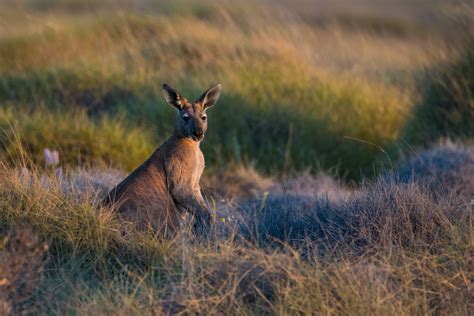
[198,169]
[184,168]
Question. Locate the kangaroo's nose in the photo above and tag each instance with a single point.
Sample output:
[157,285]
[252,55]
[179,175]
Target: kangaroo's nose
[198,133]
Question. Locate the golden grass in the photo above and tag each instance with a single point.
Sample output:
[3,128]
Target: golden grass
[279,73]
[92,266]
[301,90]
[80,140]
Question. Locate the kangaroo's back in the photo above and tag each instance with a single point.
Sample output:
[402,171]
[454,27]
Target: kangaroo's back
[143,197]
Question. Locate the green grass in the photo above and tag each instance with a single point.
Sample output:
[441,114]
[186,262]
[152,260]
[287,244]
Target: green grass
[259,119]
[79,140]
[447,105]
[277,109]
[265,111]
[333,90]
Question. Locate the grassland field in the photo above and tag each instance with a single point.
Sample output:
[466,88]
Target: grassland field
[339,158]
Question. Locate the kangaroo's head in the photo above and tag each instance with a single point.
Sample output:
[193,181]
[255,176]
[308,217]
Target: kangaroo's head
[192,118]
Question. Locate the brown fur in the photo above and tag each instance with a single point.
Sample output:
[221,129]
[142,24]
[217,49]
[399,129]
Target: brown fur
[159,192]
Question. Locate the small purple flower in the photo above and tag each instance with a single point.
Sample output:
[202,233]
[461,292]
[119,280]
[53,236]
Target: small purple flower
[51,157]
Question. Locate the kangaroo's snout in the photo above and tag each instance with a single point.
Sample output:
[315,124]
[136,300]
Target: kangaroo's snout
[199,134]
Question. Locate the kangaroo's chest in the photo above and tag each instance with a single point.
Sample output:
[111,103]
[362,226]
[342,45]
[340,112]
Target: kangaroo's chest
[197,168]
[184,169]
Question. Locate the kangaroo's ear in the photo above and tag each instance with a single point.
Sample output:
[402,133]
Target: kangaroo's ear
[172,96]
[210,97]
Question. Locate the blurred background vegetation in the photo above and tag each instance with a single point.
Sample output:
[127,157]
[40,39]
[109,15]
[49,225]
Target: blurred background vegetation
[344,86]
[347,87]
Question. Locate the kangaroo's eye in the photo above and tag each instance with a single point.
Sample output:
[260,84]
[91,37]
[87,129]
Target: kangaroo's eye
[204,118]
[185,118]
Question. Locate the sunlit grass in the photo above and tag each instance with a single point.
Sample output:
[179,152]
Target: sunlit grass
[79,139]
[359,263]
[337,91]
[271,91]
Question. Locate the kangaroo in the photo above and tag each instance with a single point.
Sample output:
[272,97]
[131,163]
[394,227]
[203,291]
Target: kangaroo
[158,193]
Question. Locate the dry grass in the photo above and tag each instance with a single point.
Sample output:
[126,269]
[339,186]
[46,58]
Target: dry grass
[21,263]
[391,246]
[312,98]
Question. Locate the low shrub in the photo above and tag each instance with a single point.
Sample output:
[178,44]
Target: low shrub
[426,204]
[447,167]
